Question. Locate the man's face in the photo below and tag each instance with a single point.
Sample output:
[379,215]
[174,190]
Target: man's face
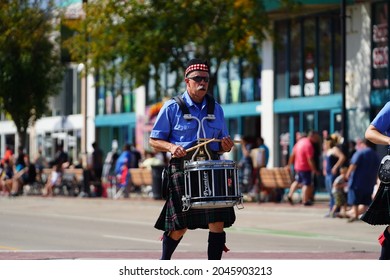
[197,85]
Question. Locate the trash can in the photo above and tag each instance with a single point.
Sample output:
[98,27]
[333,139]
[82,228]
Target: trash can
[157,181]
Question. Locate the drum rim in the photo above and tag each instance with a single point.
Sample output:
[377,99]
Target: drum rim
[210,163]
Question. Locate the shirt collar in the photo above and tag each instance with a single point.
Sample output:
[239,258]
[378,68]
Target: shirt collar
[189,101]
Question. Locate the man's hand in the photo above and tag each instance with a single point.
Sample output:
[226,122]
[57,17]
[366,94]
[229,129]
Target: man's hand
[226,144]
[177,151]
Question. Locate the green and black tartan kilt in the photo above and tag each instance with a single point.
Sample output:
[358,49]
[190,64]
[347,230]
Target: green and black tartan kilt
[172,217]
[378,213]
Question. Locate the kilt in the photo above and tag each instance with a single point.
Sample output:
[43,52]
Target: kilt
[172,217]
[378,213]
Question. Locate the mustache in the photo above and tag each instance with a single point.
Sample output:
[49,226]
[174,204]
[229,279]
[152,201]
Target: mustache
[201,87]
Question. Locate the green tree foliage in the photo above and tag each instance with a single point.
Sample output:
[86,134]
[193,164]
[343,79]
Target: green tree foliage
[145,34]
[30,68]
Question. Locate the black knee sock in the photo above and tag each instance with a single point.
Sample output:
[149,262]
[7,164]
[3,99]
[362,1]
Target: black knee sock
[216,245]
[385,252]
[168,246]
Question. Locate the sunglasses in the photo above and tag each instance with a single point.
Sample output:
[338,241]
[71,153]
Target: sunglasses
[198,79]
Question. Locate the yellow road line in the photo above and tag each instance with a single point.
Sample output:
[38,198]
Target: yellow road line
[8,248]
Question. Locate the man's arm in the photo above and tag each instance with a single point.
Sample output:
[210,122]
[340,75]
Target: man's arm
[164,146]
[375,136]
[351,168]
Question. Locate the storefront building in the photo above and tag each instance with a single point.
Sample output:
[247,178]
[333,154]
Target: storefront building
[298,88]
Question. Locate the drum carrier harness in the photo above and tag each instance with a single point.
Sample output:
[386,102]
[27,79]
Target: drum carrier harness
[199,153]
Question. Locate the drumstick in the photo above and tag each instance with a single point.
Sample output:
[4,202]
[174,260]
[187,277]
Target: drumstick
[220,140]
[199,145]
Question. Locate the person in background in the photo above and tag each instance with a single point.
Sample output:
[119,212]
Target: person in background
[54,179]
[317,177]
[108,175]
[351,149]
[245,166]
[174,134]
[260,158]
[93,173]
[136,157]
[334,158]
[122,165]
[61,157]
[8,155]
[339,192]
[151,160]
[302,157]
[25,176]
[362,175]
[378,212]
[6,177]
[40,163]
[20,160]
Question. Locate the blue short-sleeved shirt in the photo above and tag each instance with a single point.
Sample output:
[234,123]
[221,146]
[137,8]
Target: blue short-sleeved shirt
[363,178]
[382,120]
[172,127]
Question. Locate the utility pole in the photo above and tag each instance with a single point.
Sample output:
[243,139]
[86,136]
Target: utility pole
[84,96]
[344,124]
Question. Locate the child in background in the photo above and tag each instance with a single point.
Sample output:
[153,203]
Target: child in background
[339,191]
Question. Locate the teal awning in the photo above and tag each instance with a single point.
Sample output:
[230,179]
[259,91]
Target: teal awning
[271,6]
[115,120]
[66,3]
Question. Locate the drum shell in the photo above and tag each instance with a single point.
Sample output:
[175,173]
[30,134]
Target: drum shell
[211,184]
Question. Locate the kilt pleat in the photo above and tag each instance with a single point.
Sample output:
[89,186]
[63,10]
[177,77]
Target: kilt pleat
[378,213]
[172,216]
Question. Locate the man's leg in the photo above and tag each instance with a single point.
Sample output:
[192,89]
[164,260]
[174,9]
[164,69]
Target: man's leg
[16,185]
[217,240]
[355,214]
[170,241]
[307,191]
[384,240]
[294,186]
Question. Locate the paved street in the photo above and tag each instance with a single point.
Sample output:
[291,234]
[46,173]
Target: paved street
[76,228]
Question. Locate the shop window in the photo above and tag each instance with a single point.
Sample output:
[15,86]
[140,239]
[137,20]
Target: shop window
[309,121]
[324,60]
[336,53]
[324,122]
[281,44]
[307,56]
[380,56]
[295,60]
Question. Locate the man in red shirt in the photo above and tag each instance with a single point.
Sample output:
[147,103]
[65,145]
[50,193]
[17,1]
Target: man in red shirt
[302,157]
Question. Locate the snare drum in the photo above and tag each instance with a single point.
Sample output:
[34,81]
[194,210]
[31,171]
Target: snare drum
[211,184]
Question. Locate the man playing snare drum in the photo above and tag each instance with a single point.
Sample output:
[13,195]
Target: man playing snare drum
[175,134]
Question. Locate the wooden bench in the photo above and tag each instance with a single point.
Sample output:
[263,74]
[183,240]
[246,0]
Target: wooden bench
[278,177]
[274,182]
[141,177]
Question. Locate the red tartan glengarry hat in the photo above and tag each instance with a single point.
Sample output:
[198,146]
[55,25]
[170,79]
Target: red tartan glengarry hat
[196,64]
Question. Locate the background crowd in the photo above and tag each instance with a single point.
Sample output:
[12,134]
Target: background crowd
[21,174]
[347,171]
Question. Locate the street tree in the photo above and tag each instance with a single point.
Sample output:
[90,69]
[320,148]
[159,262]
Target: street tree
[146,35]
[30,66]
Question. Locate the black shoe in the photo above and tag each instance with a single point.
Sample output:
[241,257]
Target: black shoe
[308,203]
[290,200]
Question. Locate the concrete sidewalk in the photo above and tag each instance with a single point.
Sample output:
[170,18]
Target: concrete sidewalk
[95,228]
[54,255]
